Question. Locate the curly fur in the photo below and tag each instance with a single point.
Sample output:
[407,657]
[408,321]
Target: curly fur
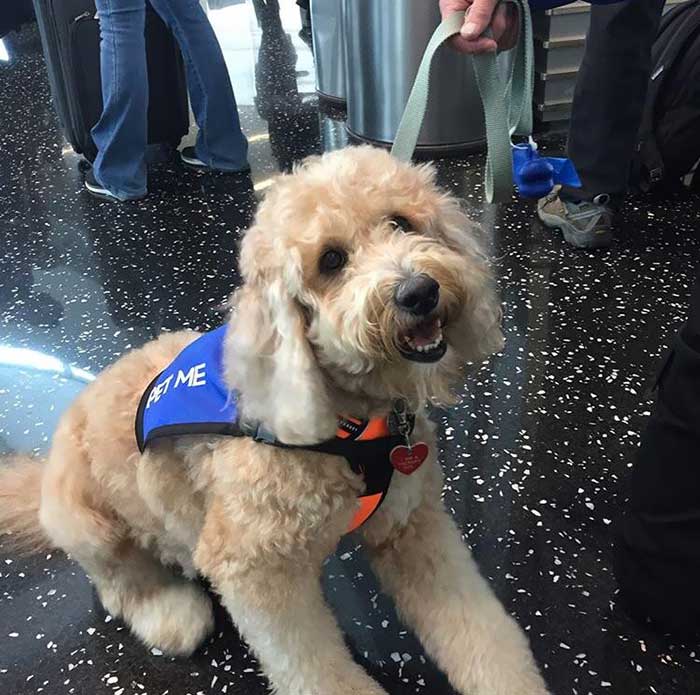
[350,324]
[258,521]
[20,494]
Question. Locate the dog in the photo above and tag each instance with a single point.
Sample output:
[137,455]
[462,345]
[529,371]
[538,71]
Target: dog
[364,286]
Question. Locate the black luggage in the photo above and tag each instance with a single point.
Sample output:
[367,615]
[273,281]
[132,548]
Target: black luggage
[13,14]
[668,149]
[70,35]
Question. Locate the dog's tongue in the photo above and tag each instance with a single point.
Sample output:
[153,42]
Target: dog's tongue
[425,333]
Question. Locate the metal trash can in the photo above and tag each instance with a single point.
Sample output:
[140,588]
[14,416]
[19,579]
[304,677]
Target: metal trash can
[385,42]
[329,49]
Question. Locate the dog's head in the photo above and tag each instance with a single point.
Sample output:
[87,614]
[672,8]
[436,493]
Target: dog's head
[362,278]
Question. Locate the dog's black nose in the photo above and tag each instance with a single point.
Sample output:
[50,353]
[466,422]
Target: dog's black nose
[418,295]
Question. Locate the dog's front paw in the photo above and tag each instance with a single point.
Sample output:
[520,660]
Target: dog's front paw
[175,619]
[504,664]
[532,684]
[517,682]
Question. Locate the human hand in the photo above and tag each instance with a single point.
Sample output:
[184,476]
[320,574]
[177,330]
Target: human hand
[482,13]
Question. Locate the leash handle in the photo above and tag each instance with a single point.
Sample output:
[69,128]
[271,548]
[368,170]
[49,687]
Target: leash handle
[507,107]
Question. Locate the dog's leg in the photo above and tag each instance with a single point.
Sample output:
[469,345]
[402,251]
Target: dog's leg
[164,610]
[286,622]
[270,585]
[439,592]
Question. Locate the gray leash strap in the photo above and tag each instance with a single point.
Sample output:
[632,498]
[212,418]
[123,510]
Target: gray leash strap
[507,106]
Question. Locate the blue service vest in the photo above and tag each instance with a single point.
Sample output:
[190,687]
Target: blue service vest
[189,396]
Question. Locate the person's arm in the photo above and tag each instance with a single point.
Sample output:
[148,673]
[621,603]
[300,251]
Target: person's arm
[503,22]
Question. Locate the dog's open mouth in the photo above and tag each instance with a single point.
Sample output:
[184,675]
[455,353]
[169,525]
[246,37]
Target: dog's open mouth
[423,342]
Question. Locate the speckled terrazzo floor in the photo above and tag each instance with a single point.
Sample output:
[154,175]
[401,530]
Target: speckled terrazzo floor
[536,456]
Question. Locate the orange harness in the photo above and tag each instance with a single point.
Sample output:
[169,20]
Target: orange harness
[368,446]
[371,430]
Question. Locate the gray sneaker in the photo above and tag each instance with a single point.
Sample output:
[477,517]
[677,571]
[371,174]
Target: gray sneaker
[586,225]
[189,157]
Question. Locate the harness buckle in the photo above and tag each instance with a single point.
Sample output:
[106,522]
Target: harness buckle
[258,433]
[401,414]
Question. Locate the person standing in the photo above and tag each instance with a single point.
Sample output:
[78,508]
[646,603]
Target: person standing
[121,134]
[607,109]
[609,98]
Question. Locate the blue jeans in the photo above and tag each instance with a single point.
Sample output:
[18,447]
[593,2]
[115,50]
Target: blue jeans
[121,134]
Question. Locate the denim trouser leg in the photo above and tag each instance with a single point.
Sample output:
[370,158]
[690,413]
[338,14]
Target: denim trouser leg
[121,133]
[220,144]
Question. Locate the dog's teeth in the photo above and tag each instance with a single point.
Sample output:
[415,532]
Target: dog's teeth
[411,343]
[429,347]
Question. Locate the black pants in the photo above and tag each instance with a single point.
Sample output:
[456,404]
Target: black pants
[610,92]
[657,553]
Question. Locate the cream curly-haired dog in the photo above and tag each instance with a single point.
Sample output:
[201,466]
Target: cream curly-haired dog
[364,285]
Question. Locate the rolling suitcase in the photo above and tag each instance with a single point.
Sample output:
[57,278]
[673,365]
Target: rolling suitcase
[70,35]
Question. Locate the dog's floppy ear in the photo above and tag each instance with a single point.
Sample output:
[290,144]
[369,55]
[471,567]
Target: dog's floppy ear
[479,333]
[269,362]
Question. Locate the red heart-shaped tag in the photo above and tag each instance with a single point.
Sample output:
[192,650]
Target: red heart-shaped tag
[407,459]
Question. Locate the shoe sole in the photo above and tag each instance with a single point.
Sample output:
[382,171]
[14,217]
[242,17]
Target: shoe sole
[99,193]
[200,166]
[581,240]
[203,167]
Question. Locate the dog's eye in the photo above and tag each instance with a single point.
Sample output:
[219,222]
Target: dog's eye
[333,260]
[401,222]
